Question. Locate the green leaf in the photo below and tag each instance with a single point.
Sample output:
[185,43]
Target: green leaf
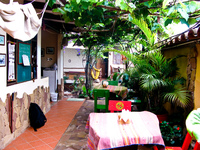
[117,2]
[144,27]
[164,4]
[191,6]
[68,9]
[146,4]
[183,13]
[168,21]
[67,19]
[132,5]
[130,18]
[176,21]
[171,10]
[77,23]
[123,5]
[93,1]
[60,10]
[101,24]
[192,21]
[183,21]
[51,3]
[78,1]
[145,12]
[85,5]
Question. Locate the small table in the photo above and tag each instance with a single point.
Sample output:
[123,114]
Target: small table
[118,90]
[105,131]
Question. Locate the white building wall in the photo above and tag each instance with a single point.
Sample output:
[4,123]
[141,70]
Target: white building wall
[20,88]
[2,69]
[72,62]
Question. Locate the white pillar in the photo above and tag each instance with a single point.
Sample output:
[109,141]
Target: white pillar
[60,59]
[39,39]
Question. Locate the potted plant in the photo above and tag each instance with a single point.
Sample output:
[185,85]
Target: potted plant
[156,80]
[171,134]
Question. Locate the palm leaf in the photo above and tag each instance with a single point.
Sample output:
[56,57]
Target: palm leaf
[149,82]
[144,27]
[180,96]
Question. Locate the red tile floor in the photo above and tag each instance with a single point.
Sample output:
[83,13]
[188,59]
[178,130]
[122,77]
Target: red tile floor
[46,137]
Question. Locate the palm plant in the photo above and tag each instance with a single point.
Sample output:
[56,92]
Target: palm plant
[158,80]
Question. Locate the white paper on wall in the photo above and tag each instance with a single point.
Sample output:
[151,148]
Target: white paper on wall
[25,60]
[11,72]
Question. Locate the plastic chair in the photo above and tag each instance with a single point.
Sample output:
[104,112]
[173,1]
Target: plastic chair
[101,93]
[113,83]
[136,102]
[119,105]
[185,145]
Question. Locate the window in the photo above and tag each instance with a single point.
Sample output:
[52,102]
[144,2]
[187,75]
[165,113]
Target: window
[117,58]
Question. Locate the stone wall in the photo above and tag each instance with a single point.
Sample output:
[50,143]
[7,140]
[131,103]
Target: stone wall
[191,74]
[20,113]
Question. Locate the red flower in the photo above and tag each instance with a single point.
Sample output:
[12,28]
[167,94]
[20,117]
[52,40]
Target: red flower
[178,128]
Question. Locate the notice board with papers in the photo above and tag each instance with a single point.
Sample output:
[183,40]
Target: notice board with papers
[24,69]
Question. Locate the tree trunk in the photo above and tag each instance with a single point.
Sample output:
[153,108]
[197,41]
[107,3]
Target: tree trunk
[86,70]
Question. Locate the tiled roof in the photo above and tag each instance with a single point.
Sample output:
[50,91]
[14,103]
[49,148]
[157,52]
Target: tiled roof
[190,35]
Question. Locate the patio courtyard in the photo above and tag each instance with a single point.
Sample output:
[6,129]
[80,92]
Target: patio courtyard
[64,129]
[47,137]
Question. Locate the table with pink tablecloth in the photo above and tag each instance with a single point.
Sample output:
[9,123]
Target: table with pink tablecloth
[105,130]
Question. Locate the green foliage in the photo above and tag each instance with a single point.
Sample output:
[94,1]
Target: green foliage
[156,79]
[171,134]
[78,83]
[103,15]
[84,94]
[115,76]
[129,23]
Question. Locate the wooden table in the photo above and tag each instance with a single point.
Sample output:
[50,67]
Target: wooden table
[105,130]
[118,90]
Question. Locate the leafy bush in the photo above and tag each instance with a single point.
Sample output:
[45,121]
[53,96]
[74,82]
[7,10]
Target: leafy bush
[171,134]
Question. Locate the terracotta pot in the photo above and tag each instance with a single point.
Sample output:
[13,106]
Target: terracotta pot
[162,117]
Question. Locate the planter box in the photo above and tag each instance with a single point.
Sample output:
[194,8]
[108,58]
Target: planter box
[162,117]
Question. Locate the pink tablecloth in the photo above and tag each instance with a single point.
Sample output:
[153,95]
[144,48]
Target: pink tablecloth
[106,132]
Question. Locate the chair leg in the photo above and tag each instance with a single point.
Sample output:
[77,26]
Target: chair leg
[186,142]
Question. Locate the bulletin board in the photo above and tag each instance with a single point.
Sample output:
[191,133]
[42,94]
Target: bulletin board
[23,72]
[24,49]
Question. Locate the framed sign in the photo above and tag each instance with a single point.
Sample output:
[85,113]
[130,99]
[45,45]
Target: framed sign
[2,60]
[2,40]
[50,50]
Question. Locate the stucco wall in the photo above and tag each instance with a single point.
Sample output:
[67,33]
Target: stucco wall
[181,62]
[3,72]
[197,81]
[73,61]
[187,68]
[49,39]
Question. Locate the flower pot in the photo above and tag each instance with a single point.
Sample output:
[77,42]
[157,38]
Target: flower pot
[162,117]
